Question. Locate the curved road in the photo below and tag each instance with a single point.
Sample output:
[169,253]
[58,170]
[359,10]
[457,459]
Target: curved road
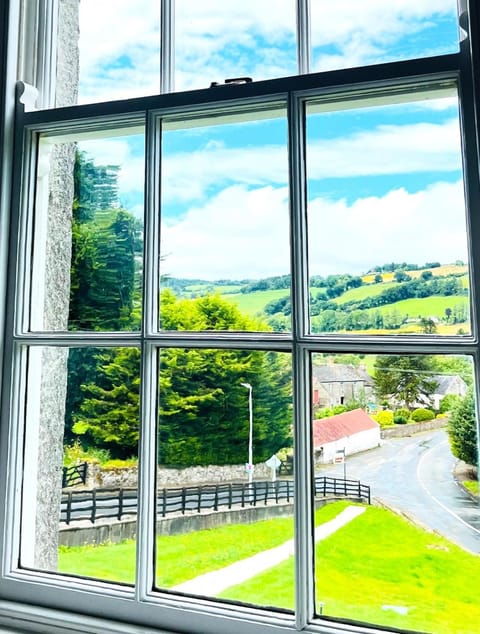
[414,475]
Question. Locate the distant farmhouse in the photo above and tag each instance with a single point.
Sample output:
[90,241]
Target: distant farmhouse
[352,432]
[447,384]
[337,384]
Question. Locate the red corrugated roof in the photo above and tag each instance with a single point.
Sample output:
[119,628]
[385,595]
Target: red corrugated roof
[336,427]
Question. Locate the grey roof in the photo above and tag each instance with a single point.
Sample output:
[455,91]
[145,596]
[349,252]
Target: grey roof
[446,383]
[340,373]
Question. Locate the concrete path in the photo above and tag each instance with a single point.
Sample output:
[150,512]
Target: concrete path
[213,583]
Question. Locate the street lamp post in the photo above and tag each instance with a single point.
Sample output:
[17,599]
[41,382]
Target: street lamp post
[250,431]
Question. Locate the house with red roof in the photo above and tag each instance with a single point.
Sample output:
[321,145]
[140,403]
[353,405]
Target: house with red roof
[351,432]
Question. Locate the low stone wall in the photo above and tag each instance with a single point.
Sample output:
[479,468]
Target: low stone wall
[212,474]
[99,533]
[114,532]
[400,431]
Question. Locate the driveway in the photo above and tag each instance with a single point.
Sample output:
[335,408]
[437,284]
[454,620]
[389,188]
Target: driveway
[414,475]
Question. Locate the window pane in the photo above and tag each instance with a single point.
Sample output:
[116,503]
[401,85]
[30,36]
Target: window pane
[87,243]
[81,415]
[387,435]
[386,217]
[224,505]
[349,33]
[119,49]
[217,40]
[224,232]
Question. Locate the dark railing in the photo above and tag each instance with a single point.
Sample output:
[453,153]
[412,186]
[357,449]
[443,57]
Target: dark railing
[75,475]
[117,503]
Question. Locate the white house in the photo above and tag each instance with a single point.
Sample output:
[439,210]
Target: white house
[351,431]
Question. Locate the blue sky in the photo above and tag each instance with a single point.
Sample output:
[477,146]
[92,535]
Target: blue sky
[384,183]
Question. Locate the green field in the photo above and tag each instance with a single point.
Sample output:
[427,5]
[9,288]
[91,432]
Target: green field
[424,306]
[370,290]
[379,568]
[254,303]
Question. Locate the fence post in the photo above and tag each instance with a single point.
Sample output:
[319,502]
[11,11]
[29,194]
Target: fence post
[254,494]
[215,501]
[230,494]
[199,499]
[324,486]
[120,503]
[69,507]
[183,500]
[164,502]
[243,494]
[94,506]
[84,472]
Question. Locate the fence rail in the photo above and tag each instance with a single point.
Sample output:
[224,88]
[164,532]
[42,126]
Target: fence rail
[116,503]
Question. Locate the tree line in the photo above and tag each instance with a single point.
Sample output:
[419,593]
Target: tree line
[203,413]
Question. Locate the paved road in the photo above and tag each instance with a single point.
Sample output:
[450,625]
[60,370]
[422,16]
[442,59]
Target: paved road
[415,476]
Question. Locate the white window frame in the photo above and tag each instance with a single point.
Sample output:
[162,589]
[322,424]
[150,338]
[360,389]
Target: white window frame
[42,602]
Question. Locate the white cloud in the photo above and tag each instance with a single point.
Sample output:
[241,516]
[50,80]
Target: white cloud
[428,225]
[366,32]
[242,233]
[238,233]
[216,39]
[387,149]
[112,32]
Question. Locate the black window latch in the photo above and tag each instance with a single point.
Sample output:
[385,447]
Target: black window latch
[232,81]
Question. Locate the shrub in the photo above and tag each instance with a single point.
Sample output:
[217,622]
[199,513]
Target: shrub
[75,454]
[400,420]
[384,418]
[422,414]
[448,402]
[404,412]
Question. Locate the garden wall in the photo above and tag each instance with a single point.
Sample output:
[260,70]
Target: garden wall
[400,431]
[127,477]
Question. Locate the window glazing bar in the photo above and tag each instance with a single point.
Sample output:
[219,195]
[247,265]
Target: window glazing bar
[303,37]
[167,45]
[304,590]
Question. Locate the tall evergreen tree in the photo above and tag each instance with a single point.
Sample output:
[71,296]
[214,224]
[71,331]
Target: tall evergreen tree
[405,378]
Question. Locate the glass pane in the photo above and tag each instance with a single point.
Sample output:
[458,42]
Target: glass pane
[349,33]
[395,454]
[225,487]
[81,461]
[88,232]
[386,217]
[217,40]
[224,232]
[118,49]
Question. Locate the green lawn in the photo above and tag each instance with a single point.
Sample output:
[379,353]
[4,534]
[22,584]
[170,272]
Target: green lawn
[377,561]
[380,560]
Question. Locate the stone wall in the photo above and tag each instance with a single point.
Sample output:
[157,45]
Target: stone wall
[127,477]
[400,431]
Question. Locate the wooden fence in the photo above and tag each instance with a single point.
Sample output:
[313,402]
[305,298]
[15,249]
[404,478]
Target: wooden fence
[75,475]
[117,503]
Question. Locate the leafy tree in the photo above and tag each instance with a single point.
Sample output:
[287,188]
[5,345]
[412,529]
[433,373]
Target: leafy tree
[378,279]
[108,415]
[203,408]
[462,430]
[427,325]
[406,379]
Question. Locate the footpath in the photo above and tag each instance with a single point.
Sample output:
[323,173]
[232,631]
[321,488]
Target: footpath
[215,582]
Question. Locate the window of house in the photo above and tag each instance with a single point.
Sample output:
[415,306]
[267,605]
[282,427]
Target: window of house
[242,321]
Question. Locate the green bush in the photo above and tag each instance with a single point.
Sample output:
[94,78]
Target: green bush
[75,454]
[422,414]
[400,420]
[384,418]
[404,412]
[448,402]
